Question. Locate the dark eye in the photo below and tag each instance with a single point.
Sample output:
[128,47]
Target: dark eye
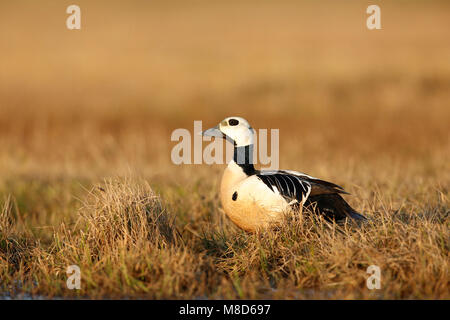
[233,122]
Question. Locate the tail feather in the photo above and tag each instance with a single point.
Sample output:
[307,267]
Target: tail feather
[333,207]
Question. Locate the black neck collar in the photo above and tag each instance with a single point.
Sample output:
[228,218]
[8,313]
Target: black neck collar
[243,156]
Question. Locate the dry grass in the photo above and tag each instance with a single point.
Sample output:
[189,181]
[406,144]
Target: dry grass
[367,110]
[127,245]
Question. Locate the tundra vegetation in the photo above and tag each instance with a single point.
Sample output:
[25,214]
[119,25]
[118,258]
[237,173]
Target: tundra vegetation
[86,118]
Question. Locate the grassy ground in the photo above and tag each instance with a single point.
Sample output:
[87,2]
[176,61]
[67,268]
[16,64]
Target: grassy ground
[85,124]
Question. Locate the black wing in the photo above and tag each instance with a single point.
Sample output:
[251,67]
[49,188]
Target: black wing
[289,186]
[317,186]
[296,185]
[307,190]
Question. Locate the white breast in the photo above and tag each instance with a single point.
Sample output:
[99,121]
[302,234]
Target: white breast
[248,202]
[254,190]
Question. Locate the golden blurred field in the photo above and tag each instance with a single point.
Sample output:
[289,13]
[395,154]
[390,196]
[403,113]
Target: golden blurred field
[369,110]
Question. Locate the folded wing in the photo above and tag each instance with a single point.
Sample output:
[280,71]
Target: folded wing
[292,188]
[298,188]
[297,185]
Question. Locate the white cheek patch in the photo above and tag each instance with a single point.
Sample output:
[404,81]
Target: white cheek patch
[242,136]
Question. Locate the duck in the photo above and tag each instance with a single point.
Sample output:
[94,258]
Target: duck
[257,199]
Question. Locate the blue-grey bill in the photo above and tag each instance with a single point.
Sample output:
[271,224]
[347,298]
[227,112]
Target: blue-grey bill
[213,132]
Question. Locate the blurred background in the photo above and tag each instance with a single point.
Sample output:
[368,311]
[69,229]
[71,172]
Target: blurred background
[366,109]
[103,100]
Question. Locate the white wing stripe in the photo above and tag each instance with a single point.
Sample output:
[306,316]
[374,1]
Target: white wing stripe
[291,187]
